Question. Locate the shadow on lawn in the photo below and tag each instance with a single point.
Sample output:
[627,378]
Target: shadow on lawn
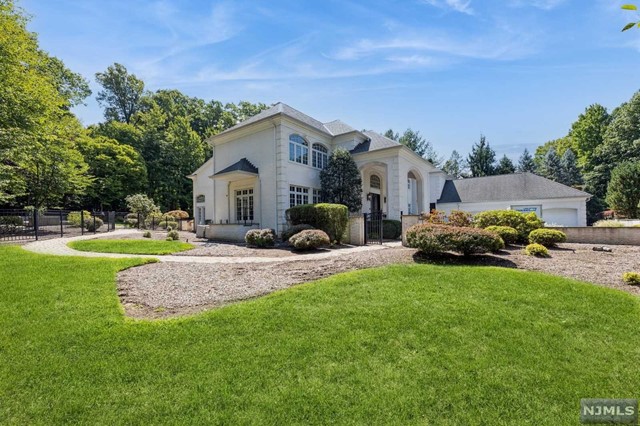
[457,260]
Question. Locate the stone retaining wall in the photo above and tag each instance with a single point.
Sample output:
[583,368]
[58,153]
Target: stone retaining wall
[594,235]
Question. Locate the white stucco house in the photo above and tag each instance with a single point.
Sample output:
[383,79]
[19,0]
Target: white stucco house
[272,161]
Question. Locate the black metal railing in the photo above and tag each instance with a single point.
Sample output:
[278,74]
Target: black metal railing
[373,227]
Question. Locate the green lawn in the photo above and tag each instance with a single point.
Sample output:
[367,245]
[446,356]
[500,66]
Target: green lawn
[402,344]
[158,247]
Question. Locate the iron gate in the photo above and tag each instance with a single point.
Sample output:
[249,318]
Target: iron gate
[373,227]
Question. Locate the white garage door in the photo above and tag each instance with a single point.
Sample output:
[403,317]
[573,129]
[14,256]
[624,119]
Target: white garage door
[564,217]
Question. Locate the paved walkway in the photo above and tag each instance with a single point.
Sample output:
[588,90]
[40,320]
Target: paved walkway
[58,247]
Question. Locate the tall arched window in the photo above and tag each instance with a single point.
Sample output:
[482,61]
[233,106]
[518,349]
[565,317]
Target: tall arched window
[319,156]
[374,182]
[298,149]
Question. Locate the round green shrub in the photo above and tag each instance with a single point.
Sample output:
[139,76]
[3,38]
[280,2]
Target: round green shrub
[293,230]
[507,233]
[166,225]
[173,235]
[260,237]
[391,229]
[537,250]
[331,218]
[547,237]
[131,223]
[434,238]
[178,214]
[147,234]
[631,278]
[309,239]
[75,218]
[523,223]
[92,225]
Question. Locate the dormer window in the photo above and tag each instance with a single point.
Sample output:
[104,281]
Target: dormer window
[298,149]
[319,156]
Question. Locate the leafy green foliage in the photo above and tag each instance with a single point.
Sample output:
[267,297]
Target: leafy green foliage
[432,239]
[293,230]
[608,224]
[330,218]
[173,235]
[76,218]
[455,165]
[569,172]
[552,166]
[508,234]
[523,223]
[526,163]
[537,250]
[623,194]
[391,229]
[417,143]
[147,234]
[309,239]
[631,278]
[140,203]
[341,182]
[505,166]
[260,238]
[587,134]
[460,218]
[121,93]
[634,8]
[93,223]
[482,158]
[547,237]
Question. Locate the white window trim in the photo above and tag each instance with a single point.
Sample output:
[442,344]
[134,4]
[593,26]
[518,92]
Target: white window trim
[303,193]
[302,147]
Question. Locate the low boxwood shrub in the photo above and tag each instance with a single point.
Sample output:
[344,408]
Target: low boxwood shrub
[293,230]
[537,250]
[330,218]
[92,225]
[631,278]
[75,218]
[131,223]
[309,239]
[173,235]
[167,224]
[547,237]
[391,229]
[460,218]
[434,238]
[260,237]
[521,222]
[507,233]
[147,234]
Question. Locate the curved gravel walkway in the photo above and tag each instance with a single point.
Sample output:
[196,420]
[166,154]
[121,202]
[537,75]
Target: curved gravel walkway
[59,247]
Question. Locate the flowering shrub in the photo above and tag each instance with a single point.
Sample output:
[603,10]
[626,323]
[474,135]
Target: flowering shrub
[460,218]
[309,239]
[631,278]
[260,237]
[293,230]
[434,238]
[507,233]
[547,237]
[523,223]
[435,216]
[537,250]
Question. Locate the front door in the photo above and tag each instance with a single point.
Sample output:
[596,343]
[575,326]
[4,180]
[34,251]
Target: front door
[375,203]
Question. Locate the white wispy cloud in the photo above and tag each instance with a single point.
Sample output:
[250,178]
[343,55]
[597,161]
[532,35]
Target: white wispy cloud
[462,6]
[540,4]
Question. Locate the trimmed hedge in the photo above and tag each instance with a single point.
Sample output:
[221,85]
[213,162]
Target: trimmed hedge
[75,218]
[391,229]
[173,235]
[507,233]
[260,237]
[460,218]
[537,250]
[434,238]
[330,218]
[631,278]
[90,225]
[293,230]
[547,237]
[523,223]
[309,239]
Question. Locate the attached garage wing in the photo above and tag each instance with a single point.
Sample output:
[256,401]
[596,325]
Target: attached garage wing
[564,217]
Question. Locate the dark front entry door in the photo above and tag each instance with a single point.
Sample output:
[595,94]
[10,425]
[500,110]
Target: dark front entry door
[375,203]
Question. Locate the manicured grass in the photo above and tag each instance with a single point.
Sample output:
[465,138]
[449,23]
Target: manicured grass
[401,344]
[131,246]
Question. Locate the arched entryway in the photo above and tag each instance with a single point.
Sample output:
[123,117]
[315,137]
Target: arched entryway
[374,187]
[415,202]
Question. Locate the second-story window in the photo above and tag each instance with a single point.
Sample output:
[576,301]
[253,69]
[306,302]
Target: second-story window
[319,156]
[298,149]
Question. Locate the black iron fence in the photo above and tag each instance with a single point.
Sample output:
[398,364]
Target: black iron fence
[23,224]
[373,227]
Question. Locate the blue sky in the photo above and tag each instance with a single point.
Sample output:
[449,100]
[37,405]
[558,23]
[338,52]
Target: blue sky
[518,71]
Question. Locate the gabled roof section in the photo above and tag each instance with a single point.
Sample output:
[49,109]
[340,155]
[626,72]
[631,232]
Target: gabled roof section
[243,165]
[337,127]
[512,187]
[281,109]
[374,142]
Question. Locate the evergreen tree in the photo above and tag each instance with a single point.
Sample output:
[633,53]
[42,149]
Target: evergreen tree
[623,194]
[482,158]
[415,142]
[570,174]
[552,166]
[341,182]
[526,163]
[455,165]
[505,166]
[392,135]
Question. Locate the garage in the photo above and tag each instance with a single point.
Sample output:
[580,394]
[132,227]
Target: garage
[561,216]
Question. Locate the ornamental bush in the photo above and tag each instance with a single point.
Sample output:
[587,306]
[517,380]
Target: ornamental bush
[178,214]
[631,278]
[173,235]
[435,238]
[537,250]
[435,216]
[507,233]
[391,229]
[164,224]
[523,223]
[461,218]
[260,238]
[75,219]
[293,230]
[309,239]
[147,234]
[547,237]
[92,225]
[330,218]
[9,224]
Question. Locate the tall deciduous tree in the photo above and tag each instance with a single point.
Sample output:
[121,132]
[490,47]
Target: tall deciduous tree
[455,165]
[482,158]
[341,182]
[526,163]
[505,166]
[623,194]
[121,93]
[587,133]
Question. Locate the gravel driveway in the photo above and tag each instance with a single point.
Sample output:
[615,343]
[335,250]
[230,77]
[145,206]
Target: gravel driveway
[169,289]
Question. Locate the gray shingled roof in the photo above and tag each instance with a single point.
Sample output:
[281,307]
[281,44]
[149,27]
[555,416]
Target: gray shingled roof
[375,141]
[517,186]
[243,165]
[337,127]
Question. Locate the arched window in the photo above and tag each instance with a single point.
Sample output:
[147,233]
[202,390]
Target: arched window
[374,182]
[319,156]
[298,149]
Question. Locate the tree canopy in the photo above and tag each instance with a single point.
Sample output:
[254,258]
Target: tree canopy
[482,158]
[341,182]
